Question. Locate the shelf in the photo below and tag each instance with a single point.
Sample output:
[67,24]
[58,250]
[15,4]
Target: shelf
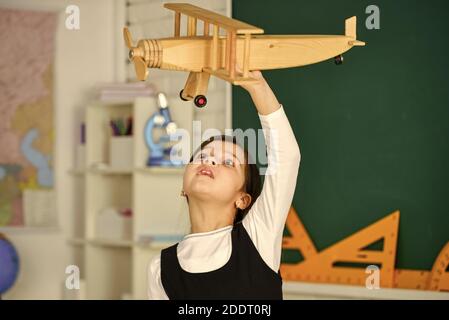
[155,245]
[160,170]
[110,171]
[115,103]
[111,243]
[144,170]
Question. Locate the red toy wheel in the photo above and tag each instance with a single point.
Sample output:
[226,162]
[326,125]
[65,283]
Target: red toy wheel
[200,101]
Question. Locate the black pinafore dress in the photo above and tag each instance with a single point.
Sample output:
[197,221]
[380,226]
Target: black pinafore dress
[244,276]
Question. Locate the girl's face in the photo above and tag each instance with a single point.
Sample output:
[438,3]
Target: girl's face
[216,172]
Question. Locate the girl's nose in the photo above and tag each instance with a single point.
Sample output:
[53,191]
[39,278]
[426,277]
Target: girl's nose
[211,160]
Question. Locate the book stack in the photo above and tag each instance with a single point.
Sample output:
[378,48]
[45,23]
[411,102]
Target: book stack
[124,92]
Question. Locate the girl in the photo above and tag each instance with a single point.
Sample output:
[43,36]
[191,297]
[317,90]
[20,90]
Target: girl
[234,248]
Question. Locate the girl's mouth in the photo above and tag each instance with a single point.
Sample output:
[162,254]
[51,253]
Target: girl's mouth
[205,172]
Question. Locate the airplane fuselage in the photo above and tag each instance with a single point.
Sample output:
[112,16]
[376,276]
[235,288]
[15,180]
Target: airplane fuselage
[266,51]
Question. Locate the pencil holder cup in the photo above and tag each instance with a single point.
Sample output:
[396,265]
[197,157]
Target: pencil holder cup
[121,152]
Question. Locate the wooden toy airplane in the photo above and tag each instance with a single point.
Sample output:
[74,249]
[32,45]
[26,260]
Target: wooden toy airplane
[205,55]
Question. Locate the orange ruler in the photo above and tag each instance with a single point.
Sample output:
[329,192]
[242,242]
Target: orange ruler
[345,262]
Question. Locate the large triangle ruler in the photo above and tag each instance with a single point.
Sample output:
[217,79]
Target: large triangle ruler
[345,262]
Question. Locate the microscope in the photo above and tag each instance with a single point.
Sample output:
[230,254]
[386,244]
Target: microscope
[160,149]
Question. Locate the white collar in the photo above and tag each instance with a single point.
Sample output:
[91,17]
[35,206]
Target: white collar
[200,234]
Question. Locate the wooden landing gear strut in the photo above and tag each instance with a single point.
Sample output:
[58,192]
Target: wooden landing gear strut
[199,100]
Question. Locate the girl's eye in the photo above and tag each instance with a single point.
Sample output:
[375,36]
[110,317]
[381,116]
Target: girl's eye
[229,162]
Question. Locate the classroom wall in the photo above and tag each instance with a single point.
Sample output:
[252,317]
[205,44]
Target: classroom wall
[373,132]
[82,58]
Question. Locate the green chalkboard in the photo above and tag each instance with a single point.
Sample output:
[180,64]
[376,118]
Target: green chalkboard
[374,131]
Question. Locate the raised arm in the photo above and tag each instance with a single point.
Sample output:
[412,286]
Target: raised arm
[263,97]
[266,219]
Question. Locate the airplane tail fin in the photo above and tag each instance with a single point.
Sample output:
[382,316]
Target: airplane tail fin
[350,27]
[350,31]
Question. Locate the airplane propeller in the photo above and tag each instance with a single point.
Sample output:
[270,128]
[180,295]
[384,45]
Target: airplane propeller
[136,56]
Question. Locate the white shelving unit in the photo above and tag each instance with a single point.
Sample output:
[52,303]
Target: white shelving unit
[111,269]
[117,268]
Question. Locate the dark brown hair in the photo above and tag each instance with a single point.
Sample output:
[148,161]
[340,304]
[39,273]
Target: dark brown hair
[252,185]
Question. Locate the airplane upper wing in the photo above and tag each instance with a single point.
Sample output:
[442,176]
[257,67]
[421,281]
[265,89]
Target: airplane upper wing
[237,26]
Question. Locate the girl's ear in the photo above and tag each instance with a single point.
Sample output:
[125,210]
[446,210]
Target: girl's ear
[244,201]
